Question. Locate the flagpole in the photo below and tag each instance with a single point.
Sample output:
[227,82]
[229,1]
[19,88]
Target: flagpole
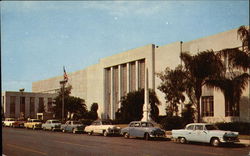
[63,82]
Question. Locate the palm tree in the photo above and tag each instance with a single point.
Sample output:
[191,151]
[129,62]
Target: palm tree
[243,33]
[201,67]
[232,88]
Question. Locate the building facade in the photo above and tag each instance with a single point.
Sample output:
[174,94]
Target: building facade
[114,76]
[25,104]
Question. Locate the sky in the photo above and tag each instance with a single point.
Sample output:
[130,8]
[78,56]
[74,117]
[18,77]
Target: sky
[38,38]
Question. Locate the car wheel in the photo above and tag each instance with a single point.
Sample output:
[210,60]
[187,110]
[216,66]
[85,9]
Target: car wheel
[44,128]
[74,131]
[215,142]
[146,136]
[105,133]
[63,130]
[33,127]
[126,135]
[90,133]
[52,129]
[182,140]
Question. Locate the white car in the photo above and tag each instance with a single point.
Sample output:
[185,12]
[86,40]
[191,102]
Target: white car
[8,122]
[103,127]
[52,125]
[203,132]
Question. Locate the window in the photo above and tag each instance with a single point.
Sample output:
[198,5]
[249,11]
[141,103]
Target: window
[49,104]
[191,127]
[232,109]
[132,125]
[198,127]
[32,107]
[207,105]
[132,78]
[142,73]
[41,105]
[12,106]
[22,105]
[137,124]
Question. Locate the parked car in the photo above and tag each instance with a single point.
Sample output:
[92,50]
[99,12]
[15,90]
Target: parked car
[33,123]
[142,129]
[8,122]
[72,126]
[203,132]
[103,127]
[52,125]
[18,124]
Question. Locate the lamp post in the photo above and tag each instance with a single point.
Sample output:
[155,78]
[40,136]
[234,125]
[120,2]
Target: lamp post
[62,83]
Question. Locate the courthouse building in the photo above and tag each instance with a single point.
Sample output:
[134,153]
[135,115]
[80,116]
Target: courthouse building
[114,76]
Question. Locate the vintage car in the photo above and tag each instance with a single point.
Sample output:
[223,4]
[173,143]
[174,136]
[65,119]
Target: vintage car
[18,124]
[33,123]
[8,122]
[72,126]
[203,132]
[52,125]
[103,127]
[142,129]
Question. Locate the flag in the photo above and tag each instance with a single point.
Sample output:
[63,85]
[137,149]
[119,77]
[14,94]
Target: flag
[65,76]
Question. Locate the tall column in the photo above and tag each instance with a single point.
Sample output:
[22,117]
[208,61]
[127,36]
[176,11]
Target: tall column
[112,93]
[119,85]
[136,75]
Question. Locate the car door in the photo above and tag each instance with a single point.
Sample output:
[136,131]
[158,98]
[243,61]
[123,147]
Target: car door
[188,133]
[135,131]
[199,134]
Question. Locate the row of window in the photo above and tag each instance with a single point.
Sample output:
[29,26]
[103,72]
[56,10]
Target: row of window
[31,105]
[207,107]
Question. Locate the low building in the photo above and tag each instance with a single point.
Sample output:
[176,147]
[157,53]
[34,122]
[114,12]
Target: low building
[114,76]
[25,104]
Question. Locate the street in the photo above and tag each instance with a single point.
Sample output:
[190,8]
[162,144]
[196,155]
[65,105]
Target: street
[20,142]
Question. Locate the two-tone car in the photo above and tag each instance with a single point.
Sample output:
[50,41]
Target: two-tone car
[142,129]
[33,123]
[8,122]
[53,125]
[103,127]
[206,133]
[72,126]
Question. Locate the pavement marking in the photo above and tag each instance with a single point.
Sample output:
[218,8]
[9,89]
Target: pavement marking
[27,149]
[74,144]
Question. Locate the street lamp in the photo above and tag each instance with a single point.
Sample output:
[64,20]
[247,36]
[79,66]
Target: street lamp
[62,83]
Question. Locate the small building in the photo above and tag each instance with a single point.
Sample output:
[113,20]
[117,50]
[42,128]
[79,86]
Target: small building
[26,104]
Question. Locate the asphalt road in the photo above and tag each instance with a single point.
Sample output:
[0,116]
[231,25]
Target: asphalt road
[23,142]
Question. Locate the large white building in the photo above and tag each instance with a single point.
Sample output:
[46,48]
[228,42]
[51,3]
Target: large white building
[114,76]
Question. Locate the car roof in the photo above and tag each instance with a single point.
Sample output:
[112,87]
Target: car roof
[199,124]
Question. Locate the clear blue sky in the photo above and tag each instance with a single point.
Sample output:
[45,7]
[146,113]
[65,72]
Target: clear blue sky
[39,38]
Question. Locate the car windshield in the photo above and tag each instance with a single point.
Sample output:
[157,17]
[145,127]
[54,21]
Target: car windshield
[55,121]
[211,127]
[106,123]
[36,121]
[76,122]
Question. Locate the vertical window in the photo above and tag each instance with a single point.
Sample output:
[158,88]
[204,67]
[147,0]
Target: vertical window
[32,107]
[142,73]
[232,109]
[123,79]
[22,105]
[41,105]
[12,106]
[207,106]
[49,104]
[132,77]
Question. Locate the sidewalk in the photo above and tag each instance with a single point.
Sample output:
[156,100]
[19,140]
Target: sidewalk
[244,141]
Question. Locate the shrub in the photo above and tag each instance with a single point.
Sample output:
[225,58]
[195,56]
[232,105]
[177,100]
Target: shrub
[173,122]
[86,121]
[241,127]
